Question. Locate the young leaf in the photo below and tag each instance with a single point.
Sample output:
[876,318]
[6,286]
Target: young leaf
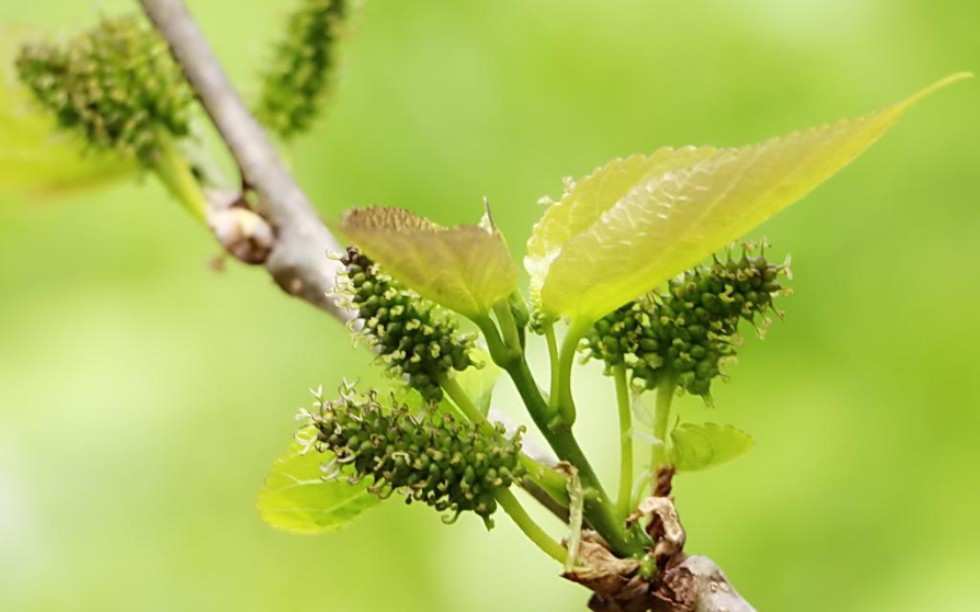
[466,268]
[696,447]
[296,498]
[636,222]
[35,160]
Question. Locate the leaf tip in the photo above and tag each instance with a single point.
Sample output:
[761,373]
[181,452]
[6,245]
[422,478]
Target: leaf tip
[931,89]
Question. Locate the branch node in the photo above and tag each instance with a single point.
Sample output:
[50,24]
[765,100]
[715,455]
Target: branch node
[297,259]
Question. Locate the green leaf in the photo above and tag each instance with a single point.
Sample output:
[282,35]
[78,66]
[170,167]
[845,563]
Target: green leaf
[700,446]
[296,498]
[636,222]
[35,159]
[466,268]
[478,382]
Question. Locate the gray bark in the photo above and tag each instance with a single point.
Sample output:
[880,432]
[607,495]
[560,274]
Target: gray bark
[298,259]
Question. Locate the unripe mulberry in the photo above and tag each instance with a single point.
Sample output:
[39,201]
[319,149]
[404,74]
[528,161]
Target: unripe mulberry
[448,463]
[414,338]
[295,82]
[690,331]
[116,86]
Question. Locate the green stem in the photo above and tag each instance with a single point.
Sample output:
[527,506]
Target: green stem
[661,419]
[563,401]
[508,326]
[625,502]
[599,510]
[531,529]
[176,175]
[462,401]
[549,335]
[501,354]
[548,479]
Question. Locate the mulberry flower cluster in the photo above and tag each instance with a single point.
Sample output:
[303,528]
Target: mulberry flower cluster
[414,338]
[115,85]
[689,332]
[299,74]
[432,457]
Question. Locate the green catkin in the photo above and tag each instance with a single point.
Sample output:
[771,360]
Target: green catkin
[689,332]
[297,79]
[414,338]
[433,457]
[115,85]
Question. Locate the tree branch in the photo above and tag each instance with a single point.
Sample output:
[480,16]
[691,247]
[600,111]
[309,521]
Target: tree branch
[298,261]
[299,264]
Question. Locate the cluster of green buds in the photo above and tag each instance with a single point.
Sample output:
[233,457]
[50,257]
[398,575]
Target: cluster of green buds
[115,85]
[432,457]
[688,333]
[413,337]
[299,74]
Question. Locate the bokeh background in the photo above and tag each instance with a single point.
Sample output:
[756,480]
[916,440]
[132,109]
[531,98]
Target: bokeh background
[143,396]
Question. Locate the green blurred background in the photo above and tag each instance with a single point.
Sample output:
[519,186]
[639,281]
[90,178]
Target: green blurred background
[143,396]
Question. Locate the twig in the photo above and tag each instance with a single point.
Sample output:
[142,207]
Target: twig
[299,264]
[298,261]
[698,584]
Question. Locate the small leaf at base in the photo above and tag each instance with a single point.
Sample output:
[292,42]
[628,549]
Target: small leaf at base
[296,498]
[700,446]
